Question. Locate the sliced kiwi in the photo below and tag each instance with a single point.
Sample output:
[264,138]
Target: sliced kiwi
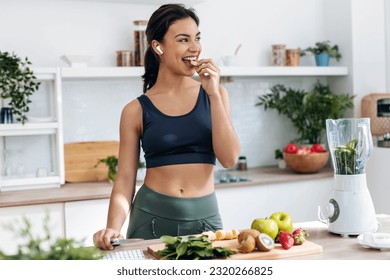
[264,242]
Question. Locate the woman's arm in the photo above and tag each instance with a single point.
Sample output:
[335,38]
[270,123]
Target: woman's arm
[225,141]
[124,186]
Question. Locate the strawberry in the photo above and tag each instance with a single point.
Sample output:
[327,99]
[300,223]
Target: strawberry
[291,149]
[285,239]
[299,236]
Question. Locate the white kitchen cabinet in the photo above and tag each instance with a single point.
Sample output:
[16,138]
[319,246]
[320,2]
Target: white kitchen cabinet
[84,218]
[36,214]
[32,154]
[239,206]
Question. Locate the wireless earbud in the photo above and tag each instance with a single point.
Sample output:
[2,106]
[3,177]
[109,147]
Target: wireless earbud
[158,48]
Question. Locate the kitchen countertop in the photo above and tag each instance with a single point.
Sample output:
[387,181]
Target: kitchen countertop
[102,190]
[334,246]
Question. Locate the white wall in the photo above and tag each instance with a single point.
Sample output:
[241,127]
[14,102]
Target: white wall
[45,30]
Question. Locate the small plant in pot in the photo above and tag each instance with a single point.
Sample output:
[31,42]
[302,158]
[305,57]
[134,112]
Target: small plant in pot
[323,51]
[280,159]
[112,164]
[307,111]
[17,83]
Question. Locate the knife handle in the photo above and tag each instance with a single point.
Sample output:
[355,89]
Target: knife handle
[115,242]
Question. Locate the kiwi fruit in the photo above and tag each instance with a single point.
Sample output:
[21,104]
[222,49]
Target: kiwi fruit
[264,242]
[244,233]
[247,245]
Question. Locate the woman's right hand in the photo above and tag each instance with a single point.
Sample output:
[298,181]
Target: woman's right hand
[102,238]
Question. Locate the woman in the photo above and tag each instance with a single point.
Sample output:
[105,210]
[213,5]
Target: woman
[183,125]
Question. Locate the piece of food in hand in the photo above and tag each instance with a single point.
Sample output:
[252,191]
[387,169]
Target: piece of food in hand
[247,245]
[264,242]
[245,233]
[285,239]
[299,236]
[194,63]
[210,234]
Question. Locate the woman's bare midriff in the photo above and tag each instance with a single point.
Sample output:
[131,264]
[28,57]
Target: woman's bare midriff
[181,180]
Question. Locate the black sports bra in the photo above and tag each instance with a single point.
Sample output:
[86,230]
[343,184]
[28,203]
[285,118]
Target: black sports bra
[168,140]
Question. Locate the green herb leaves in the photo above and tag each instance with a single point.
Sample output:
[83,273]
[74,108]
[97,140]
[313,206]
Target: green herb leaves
[191,248]
[345,157]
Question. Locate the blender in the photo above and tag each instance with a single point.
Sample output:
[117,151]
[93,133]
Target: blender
[350,210]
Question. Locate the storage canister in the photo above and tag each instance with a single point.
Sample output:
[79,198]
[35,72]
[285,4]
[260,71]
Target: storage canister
[293,57]
[124,58]
[140,42]
[278,55]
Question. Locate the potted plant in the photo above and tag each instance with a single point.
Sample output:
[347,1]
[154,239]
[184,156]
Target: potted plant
[280,159]
[322,52]
[307,111]
[112,164]
[17,83]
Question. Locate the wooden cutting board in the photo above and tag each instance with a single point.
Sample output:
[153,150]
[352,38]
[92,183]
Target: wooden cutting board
[81,158]
[307,248]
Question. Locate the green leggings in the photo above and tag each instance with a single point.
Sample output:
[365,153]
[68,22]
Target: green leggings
[154,214]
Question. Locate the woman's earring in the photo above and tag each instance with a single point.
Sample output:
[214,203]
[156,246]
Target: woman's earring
[159,50]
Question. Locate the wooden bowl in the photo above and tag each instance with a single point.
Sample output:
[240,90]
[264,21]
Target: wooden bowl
[310,163]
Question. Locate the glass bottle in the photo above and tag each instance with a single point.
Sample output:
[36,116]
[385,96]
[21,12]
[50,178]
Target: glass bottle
[242,164]
[140,42]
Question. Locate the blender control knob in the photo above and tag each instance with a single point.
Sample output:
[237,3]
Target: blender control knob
[333,210]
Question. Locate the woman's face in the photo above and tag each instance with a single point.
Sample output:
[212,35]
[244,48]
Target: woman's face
[181,45]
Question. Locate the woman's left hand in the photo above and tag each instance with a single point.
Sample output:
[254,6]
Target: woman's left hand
[209,75]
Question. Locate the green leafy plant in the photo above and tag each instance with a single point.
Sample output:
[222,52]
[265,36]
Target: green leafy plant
[278,154]
[59,249]
[17,83]
[191,248]
[346,159]
[112,164]
[307,111]
[323,47]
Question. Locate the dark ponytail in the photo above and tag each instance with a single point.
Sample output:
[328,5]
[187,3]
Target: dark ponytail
[156,29]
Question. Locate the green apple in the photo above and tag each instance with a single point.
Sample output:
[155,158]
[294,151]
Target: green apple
[284,221]
[267,226]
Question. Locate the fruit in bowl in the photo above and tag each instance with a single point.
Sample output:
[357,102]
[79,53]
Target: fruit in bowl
[305,159]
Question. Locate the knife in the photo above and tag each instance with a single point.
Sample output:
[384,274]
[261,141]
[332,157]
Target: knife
[117,242]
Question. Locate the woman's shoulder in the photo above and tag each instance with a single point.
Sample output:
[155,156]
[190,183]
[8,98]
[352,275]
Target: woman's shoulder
[132,108]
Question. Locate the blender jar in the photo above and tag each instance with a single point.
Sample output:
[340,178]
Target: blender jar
[350,143]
